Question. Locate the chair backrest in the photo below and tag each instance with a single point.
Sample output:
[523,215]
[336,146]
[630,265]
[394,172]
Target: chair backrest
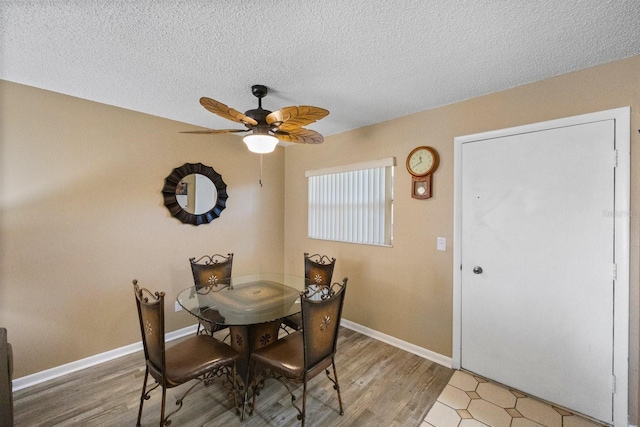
[151,315]
[211,270]
[321,322]
[318,269]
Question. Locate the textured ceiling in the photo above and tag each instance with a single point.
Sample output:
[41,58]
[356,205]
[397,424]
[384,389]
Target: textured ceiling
[365,61]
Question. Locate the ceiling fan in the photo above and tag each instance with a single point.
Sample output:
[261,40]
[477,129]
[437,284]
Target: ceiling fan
[268,127]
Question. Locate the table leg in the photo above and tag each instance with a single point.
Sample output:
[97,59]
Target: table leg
[245,339]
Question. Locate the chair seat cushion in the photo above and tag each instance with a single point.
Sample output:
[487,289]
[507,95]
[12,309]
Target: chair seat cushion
[212,316]
[294,321]
[196,356]
[213,320]
[286,357]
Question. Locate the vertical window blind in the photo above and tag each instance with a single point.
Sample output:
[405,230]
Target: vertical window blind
[352,203]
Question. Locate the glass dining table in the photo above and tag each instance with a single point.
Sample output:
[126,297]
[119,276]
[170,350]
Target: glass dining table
[252,306]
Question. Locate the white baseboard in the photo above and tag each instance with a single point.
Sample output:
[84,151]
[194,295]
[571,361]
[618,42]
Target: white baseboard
[58,371]
[403,345]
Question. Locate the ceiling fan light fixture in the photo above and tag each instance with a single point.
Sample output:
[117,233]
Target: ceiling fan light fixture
[260,143]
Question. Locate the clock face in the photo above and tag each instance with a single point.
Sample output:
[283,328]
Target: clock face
[422,161]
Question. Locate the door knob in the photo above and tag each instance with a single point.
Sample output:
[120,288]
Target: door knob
[477,270]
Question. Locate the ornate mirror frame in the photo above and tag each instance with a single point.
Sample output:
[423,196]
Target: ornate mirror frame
[171,202]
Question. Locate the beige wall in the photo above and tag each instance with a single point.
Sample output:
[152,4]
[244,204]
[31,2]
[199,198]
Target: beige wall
[406,291]
[83,215]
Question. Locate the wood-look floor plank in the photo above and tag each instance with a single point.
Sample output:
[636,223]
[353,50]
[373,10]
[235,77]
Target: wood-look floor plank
[380,385]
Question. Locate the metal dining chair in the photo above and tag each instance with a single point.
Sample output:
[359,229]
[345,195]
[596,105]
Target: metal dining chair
[6,380]
[301,355]
[318,271]
[213,271]
[197,357]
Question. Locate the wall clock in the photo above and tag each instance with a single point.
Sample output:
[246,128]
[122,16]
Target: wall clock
[421,163]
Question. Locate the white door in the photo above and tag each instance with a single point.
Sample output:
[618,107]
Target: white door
[537,263]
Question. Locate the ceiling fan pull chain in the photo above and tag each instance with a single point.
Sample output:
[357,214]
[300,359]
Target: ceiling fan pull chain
[260,170]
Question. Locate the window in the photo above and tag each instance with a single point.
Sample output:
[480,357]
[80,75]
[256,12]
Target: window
[352,203]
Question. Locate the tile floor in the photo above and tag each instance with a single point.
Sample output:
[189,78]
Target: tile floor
[472,401]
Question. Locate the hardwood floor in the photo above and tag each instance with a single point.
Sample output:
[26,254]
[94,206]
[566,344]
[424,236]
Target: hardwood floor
[380,385]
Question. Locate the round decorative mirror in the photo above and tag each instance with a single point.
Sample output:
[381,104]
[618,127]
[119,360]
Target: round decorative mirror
[195,193]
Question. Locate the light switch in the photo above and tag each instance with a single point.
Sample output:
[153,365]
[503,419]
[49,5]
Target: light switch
[178,307]
[442,244]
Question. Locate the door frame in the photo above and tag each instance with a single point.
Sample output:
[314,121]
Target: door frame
[622,117]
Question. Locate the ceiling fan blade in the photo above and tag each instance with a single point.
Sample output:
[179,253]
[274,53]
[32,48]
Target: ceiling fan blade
[227,112]
[300,136]
[289,118]
[210,131]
